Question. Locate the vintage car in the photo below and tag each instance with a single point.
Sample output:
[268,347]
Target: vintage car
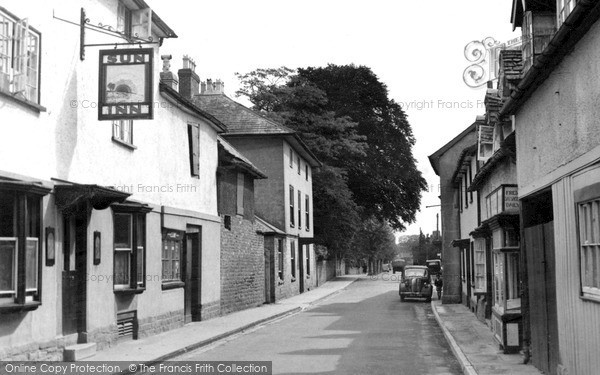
[415,283]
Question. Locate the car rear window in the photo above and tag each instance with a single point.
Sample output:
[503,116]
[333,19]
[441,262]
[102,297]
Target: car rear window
[414,272]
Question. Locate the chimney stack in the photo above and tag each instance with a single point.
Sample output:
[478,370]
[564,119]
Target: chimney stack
[213,88]
[167,76]
[189,82]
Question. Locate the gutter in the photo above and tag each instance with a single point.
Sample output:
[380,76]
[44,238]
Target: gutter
[570,32]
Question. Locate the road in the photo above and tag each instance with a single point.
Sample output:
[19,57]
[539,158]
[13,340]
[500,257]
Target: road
[364,329]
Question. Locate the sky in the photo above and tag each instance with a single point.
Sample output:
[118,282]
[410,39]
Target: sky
[416,48]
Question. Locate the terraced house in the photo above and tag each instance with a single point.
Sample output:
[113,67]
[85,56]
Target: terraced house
[284,200]
[109,227]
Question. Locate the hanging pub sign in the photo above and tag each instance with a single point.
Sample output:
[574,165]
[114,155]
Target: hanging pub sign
[125,84]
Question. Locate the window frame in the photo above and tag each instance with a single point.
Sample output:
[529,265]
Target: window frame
[138,239]
[20,94]
[293,260]
[307,211]
[26,226]
[588,291]
[292,210]
[280,260]
[118,134]
[178,237]
[299,209]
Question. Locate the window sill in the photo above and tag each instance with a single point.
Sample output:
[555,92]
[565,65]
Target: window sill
[593,299]
[31,105]
[129,291]
[124,144]
[173,285]
[293,279]
[17,308]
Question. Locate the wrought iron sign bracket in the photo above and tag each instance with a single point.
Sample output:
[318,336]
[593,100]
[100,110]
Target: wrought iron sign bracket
[85,23]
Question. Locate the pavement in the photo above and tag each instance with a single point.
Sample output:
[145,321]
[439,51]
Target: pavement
[166,345]
[473,343]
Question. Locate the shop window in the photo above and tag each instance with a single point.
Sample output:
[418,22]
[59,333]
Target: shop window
[129,250]
[498,289]
[589,247]
[480,280]
[19,58]
[20,246]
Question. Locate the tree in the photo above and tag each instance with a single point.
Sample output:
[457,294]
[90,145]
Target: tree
[384,181]
[375,242]
[302,107]
[363,138]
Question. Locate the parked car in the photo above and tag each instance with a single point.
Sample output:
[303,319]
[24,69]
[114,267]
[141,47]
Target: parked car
[415,283]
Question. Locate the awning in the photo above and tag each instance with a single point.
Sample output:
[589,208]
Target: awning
[24,186]
[462,243]
[99,197]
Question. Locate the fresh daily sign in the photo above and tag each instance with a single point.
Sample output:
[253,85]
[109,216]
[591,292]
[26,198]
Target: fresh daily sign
[125,84]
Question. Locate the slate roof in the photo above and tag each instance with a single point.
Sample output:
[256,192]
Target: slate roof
[243,121]
[239,119]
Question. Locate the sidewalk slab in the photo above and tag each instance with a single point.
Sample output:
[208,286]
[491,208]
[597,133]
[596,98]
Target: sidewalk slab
[473,343]
[194,335]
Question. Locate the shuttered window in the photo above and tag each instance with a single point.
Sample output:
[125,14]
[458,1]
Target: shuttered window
[240,193]
[194,143]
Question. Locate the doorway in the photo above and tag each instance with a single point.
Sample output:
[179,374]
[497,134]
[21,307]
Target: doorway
[192,272]
[541,280]
[301,266]
[74,288]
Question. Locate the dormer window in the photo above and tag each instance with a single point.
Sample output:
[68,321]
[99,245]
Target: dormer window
[134,23]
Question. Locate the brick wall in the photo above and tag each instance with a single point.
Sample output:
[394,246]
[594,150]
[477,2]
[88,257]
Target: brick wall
[242,266]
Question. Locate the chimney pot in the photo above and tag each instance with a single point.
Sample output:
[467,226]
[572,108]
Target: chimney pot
[189,82]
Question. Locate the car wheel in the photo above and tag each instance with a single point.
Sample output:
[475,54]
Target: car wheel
[428,299]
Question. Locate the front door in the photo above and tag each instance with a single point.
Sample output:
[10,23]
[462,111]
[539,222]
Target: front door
[192,275]
[539,245]
[73,276]
[269,271]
